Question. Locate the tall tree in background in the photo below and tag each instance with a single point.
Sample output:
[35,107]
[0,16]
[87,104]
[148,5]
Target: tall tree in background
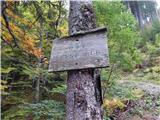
[135,9]
[82,103]
[144,11]
[123,33]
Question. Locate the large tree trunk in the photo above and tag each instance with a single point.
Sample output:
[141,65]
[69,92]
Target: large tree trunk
[134,6]
[139,14]
[83,101]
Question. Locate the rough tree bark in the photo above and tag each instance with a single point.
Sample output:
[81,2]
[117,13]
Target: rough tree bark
[83,101]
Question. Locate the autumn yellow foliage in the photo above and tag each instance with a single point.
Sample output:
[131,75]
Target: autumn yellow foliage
[27,41]
[112,104]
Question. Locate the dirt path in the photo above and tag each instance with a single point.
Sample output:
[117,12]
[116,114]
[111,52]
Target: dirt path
[149,88]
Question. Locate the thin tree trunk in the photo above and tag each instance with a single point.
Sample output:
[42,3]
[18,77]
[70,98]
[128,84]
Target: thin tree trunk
[82,102]
[37,95]
[37,90]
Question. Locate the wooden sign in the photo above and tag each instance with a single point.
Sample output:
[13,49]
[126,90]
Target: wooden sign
[79,51]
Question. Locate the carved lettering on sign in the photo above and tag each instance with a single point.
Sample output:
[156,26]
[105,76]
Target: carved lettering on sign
[80,51]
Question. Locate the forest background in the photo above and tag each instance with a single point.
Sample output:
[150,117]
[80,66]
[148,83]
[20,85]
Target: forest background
[28,28]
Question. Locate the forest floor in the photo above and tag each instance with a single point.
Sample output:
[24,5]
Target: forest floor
[147,107]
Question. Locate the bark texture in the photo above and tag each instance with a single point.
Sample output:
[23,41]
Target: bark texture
[83,101]
[81,16]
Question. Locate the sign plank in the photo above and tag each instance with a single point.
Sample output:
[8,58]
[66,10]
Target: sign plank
[79,51]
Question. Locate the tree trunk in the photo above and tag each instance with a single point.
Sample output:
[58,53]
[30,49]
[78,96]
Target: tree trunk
[40,77]
[82,98]
[136,11]
[37,90]
[139,15]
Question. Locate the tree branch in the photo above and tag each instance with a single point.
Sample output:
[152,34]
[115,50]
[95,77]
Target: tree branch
[4,7]
[7,43]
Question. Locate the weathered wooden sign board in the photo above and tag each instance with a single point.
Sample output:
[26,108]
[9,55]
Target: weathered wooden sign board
[79,51]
